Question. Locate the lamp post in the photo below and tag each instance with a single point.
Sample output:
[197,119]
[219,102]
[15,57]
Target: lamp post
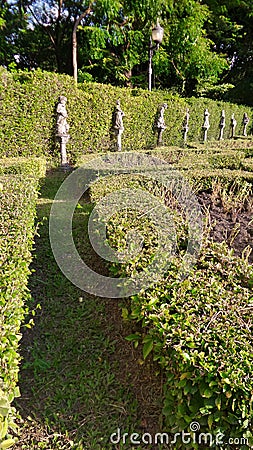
[157,37]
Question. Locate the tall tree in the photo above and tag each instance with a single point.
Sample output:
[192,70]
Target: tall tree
[231,28]
[113,40]
[12,24]
[187,56]
[74,40]
[117,51]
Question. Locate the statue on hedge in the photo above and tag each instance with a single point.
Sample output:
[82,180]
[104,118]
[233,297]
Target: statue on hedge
[233,124]
[245,122]
[117,125]
[206,124]
[160,123]
[222,125]
[62,128]
[186,124]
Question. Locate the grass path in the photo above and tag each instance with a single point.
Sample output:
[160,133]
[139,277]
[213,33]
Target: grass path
[80,380]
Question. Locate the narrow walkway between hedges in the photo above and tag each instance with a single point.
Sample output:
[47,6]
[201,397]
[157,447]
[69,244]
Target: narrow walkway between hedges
[80,379]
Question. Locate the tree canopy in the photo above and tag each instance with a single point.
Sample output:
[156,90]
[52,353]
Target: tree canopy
[206,43]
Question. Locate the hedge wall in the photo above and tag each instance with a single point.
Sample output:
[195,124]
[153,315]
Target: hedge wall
[18,194]
[34,167]
[28,102]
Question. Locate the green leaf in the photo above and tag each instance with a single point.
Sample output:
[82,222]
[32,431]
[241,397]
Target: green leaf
[124,313]
[7,444]
[4,407]
[185,375]
[218,403]
[3,428]
[147,348]
[133,337]
[210,421]
[245,423]
[207,393]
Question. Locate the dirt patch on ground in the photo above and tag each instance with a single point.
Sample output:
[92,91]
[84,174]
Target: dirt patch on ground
[229,222]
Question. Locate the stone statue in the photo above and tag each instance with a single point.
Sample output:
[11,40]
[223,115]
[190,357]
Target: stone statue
[233,124]
[245,122]
[62,128]
[206,124]
[117,125]
[222,125]
[160,124]
[186,124]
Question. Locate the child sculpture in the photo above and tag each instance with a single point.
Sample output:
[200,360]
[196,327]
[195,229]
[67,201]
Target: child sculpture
[62,128]
[117,125]
[233,124]
[245,122]
[206,124]
[222,125]
[160,124]
[186,124]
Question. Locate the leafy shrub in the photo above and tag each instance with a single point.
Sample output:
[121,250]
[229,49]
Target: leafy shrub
[227,161]
[199,330]
[18,194]
[23,166]
[202,179]
[247,164]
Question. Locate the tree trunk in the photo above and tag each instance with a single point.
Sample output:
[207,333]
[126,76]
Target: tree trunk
[128,75]
[74,40]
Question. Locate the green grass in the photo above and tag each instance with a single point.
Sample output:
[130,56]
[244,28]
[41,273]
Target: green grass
[75,389]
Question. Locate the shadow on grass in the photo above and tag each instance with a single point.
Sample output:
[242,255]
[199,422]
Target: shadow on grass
[77,382]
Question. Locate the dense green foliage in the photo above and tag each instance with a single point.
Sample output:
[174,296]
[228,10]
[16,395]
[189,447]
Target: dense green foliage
[200,332]
[23,166]
[198,329]
[206,47]
[113,40]
[28,104]
[18,194]
[230,27]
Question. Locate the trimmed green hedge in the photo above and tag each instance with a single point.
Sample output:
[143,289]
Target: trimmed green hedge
[34,167]
[200,329]
[18,195]
[28,105]
[202,171]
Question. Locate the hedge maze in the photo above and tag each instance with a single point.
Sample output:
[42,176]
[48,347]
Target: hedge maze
[199,330]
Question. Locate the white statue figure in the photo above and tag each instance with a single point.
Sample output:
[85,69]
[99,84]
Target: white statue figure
[222,125]
[160,123]
[245,122]
[206,124]
[233,124]
[186,124]
[118,126]
[62,128]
